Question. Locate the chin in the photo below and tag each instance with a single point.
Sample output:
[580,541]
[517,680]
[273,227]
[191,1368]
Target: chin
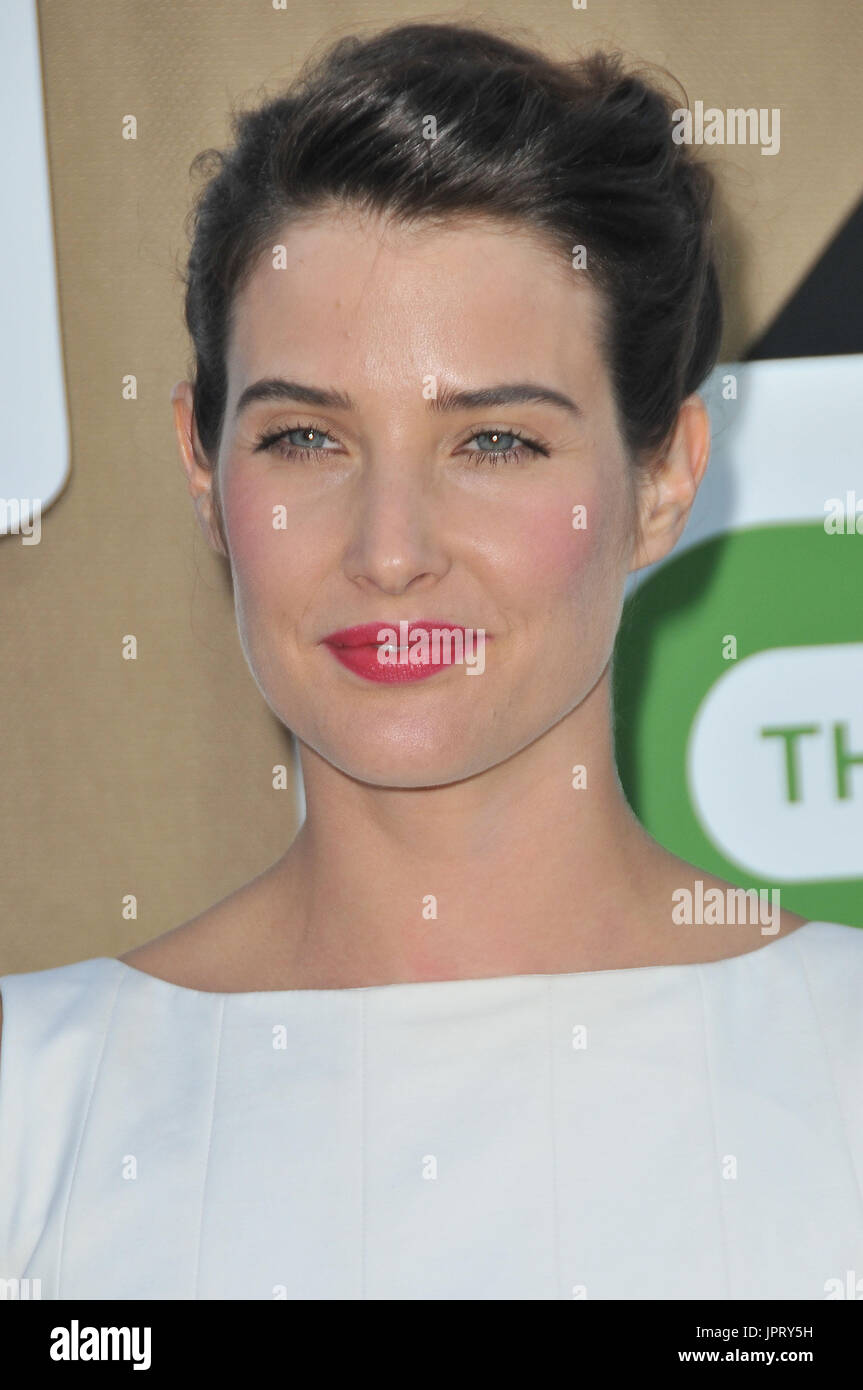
[401,778]
[411,755]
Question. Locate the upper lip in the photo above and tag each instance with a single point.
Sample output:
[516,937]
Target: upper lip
[366,634]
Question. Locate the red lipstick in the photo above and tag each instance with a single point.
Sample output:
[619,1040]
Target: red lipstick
[412,651]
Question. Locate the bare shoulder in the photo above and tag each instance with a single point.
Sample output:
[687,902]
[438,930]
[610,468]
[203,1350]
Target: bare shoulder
[710,918]
[212,950]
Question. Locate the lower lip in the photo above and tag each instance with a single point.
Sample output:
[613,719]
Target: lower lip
[363,661]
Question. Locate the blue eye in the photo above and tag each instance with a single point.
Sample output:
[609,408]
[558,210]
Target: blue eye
[506,453]
[289,450]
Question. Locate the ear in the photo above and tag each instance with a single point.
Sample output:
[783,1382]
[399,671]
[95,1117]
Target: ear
[201,477]
[666,496]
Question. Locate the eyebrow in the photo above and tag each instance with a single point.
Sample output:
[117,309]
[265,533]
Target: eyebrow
[508,393]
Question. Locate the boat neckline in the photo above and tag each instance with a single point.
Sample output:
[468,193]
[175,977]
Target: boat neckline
[486,980]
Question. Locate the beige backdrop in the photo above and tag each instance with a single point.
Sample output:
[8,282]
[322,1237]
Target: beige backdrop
[153,777]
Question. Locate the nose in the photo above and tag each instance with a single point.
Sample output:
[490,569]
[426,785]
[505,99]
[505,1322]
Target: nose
[398,529]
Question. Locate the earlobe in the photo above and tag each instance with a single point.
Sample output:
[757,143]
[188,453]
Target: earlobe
[698,425]
[200,476]
[667,495]
[182,398]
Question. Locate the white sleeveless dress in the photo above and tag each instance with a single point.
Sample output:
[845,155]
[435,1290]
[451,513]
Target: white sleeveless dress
[661,1132]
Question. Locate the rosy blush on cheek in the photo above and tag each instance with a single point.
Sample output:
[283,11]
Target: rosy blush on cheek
[573,581]
[255,530]
[562,540]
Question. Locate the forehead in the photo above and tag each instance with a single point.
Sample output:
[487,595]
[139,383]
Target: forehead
[363,295]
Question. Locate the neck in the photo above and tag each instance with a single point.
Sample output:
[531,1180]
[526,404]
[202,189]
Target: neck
[512,871]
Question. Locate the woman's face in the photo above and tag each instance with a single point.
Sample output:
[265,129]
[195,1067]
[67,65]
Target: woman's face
[401,511]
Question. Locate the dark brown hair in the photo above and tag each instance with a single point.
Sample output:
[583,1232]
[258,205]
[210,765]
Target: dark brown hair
[580,151]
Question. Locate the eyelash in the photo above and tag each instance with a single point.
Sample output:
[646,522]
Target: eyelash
[494,457]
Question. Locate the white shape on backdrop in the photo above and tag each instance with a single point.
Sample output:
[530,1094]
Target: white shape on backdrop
[34,456]
[789,441]
[757,826]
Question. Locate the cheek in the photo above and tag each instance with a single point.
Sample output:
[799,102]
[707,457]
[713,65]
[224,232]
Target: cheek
[266,545]
[568,552]
[248,528]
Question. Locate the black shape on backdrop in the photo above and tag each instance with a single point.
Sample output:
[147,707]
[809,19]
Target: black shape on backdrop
[824,315]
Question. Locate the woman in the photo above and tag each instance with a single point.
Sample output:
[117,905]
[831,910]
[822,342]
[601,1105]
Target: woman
[450,304]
